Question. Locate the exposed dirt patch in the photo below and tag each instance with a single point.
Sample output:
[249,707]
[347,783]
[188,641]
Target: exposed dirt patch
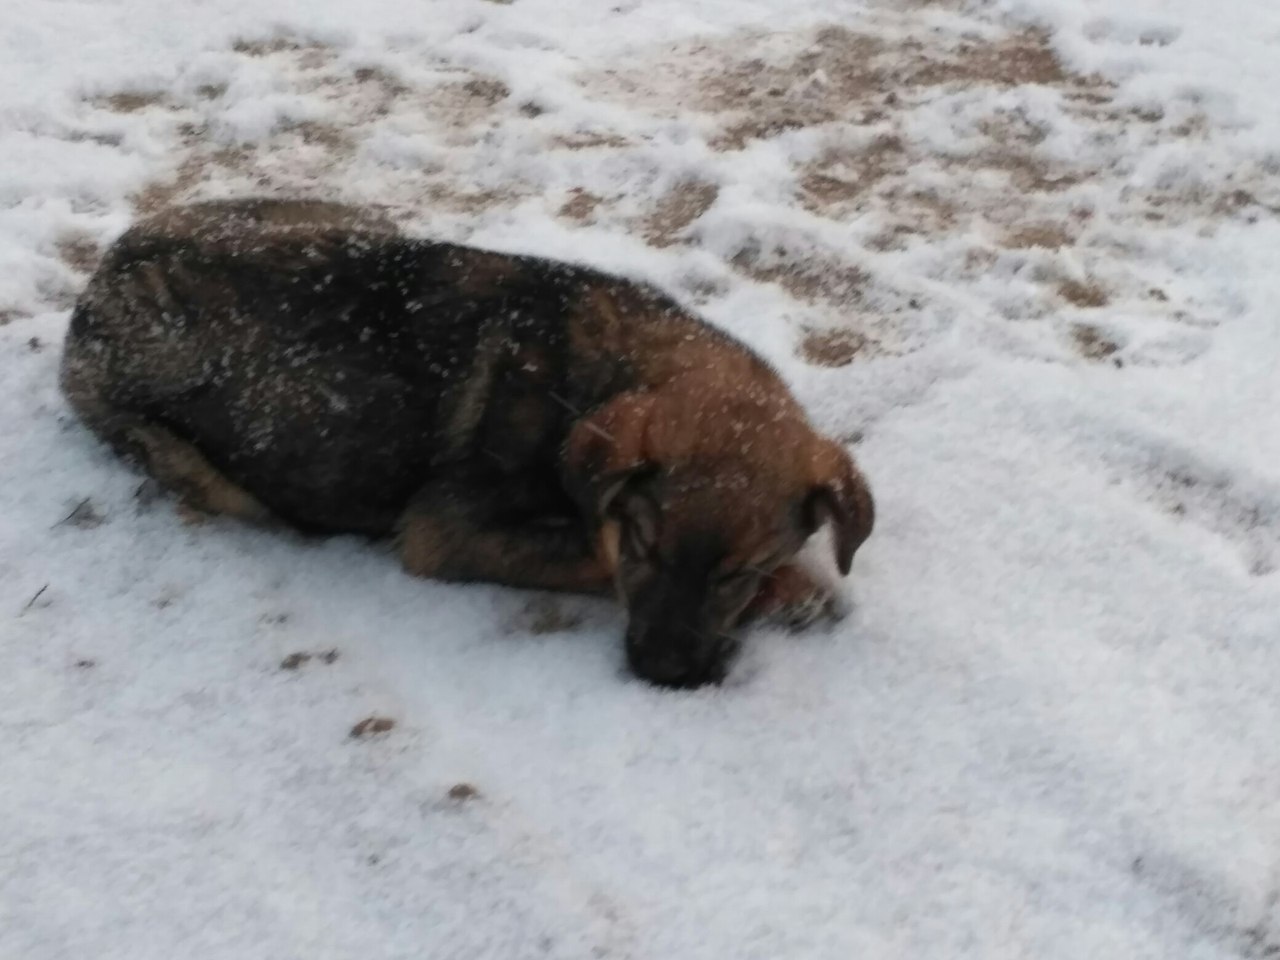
[1012,128]
[840,178]
[841,75]
[380,77]
[832,348]
[101,138]
[487,89]
[372,726]
[79,252]
[1047,236]
[1025,57]
[296,661]
[191,172]
[129,101]
[1092,343]
[315,58]
[9,314]
[1233,203]
[1089,294]
[264,48]
[361,96]
[675,211]
[1027,171]
[590,140]
[838,72]
[462,104]
[1216,202]
[318,157]
[156,196]
[862,85]
[811,279]
[326,135]
[448,197]
[580,206]
[919,213]
[768,124]
[462,792]
[386,88]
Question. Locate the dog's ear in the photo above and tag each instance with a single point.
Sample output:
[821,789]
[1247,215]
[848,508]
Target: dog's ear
[606,451]
[839,496]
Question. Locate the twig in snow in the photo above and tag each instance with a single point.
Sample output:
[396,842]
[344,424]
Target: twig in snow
[31,602]
[84,515]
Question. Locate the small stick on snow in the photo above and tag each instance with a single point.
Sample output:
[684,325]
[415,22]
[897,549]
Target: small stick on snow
[76,509]
[31,602]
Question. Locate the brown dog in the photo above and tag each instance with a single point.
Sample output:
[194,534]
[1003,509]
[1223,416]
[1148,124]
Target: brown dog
[515,420]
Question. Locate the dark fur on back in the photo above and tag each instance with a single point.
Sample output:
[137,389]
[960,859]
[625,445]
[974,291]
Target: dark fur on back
[326,363]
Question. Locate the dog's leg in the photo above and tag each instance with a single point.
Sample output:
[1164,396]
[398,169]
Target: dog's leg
[453,531]
[179,466]
[171,461]
[796,597]
[174,463]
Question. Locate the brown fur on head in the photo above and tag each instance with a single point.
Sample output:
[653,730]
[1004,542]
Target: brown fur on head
[702,491]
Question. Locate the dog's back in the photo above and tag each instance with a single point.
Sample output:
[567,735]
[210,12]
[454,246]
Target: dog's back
[324,362]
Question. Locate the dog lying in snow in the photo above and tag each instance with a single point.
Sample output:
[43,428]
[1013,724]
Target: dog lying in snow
[510,419]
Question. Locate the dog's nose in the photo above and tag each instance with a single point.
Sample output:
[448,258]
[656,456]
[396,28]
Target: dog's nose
[682,667]
[671,670]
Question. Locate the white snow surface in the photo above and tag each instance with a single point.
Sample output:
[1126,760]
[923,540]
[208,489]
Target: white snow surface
[1024,256]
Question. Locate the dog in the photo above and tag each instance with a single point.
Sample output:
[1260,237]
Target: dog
[509,419]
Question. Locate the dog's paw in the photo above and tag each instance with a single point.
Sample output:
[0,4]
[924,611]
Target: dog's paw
[794,598]
[809,611]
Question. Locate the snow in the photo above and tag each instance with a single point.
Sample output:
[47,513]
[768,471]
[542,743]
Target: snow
[1048,727]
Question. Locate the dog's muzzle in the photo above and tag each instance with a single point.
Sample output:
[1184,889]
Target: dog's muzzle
[668,661]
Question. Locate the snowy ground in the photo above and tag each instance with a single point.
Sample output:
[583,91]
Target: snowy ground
[1023,255]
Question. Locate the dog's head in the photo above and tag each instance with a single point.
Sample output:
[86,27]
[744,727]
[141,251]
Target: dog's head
[700,497]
